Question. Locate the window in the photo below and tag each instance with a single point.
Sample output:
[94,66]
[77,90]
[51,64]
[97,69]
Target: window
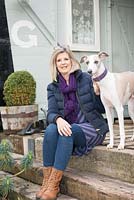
[83,25]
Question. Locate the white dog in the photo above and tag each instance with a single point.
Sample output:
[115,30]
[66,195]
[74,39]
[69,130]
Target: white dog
[116,90]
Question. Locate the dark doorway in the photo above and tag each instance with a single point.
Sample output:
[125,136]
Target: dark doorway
[6,63]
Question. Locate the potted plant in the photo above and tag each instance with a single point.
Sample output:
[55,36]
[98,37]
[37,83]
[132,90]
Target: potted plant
[19,95]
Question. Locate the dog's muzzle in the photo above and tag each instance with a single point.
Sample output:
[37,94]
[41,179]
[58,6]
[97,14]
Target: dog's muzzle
[89,72]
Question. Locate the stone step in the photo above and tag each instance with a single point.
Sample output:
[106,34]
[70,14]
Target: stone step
[20,143]
[113,162]
[84,185]
[24,143]
[91,186]
[129,131]
[26,190]
[126,121]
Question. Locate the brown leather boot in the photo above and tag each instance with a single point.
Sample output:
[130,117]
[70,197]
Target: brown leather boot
[53,185]
[46,175]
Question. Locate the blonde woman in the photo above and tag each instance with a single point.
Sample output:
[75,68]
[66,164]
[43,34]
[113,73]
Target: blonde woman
[75,123]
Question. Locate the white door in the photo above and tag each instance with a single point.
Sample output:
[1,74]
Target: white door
[123,35]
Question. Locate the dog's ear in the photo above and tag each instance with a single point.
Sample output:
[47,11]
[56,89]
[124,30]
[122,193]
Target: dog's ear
[83,59]
[102,55]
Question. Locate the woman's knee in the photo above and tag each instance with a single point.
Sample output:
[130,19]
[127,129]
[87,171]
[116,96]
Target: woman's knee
[76,129]
[78,135]
[51,132]
[65,139]
[65,142]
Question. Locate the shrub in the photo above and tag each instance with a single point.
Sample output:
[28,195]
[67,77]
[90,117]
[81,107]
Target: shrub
[19,89]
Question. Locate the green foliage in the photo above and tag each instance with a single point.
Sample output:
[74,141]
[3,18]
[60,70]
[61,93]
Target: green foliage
[6,186]
[5,146]
[7,162]
[19,89]
[27,161]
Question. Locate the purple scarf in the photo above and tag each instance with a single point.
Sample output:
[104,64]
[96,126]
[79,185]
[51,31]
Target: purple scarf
[70,100]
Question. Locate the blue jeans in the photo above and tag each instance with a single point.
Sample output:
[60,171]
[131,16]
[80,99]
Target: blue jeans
[58,149]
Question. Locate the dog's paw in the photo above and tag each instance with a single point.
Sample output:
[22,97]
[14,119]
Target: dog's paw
[120,146]
[110,146]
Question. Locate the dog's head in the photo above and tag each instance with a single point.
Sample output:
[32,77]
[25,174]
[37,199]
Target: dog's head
[93,62]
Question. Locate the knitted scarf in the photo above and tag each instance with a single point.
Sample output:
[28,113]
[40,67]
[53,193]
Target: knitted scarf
[70,100]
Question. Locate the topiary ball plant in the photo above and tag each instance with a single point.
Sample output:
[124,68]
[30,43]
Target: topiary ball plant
[19,89]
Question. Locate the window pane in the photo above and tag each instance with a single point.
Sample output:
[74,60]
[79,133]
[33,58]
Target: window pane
[83,26]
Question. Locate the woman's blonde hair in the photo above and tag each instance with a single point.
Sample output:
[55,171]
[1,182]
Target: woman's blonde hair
[57,51]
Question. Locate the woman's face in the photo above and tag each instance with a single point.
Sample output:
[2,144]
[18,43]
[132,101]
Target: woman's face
[63,63]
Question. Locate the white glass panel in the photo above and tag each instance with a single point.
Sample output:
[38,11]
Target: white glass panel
[83,26]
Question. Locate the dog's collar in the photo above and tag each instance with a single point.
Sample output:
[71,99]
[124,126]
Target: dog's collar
[99,78]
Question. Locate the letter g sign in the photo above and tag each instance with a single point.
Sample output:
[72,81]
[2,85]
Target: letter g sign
[14,33]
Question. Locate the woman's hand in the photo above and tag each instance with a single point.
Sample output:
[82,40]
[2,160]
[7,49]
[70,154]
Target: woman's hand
[64,128]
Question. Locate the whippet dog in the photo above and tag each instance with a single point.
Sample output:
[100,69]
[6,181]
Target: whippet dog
[116,90]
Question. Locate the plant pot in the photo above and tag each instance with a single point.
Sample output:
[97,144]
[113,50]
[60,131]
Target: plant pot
[16,118]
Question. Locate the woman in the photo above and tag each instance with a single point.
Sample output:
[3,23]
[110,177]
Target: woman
[75,123]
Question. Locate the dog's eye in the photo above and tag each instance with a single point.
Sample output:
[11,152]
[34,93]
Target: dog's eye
[96,62]
[87,62]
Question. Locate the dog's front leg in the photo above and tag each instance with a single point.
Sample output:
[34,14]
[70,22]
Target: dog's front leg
[109,111]
[121,126]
